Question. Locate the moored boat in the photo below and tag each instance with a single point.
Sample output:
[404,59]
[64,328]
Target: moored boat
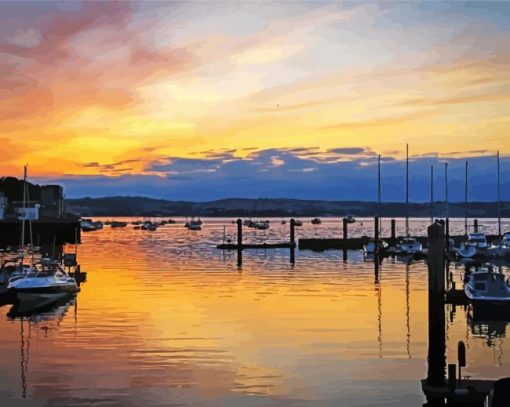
[484,286]
[409,245]
[315,221]
[45,280]
[476,245]
[369,248]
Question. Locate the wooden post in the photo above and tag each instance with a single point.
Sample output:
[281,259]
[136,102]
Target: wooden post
[292,232]
[345,239]
[376,235]
[393,232]
[475,225]
[239,243]
[436,357]
[239,233]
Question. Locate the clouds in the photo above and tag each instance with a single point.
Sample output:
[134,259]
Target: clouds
[277,173]
[186,88]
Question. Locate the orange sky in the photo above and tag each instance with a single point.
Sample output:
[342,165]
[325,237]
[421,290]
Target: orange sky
[126,84]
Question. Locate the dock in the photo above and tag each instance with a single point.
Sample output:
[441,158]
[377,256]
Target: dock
[468,393]
[277,245]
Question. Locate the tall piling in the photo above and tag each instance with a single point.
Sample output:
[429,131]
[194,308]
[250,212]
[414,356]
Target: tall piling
[345,239]
[436,368]
[393,233]
[239,243]
[292,232]
[475,225]
[376,235]
[292,238]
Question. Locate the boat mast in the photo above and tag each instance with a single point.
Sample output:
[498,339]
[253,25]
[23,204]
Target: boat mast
[446,190]
[407,189]
[23,213]
[379,189]
[431,193]
[499,200]
[465,198]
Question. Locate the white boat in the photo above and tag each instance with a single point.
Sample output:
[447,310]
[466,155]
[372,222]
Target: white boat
[193,226]
[484,286]
[476,245]
[87,225]
[409,245]
[9,270]
[501,248]
[369,248]
[44,281]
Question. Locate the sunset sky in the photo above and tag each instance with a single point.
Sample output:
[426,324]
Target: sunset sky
[205,100]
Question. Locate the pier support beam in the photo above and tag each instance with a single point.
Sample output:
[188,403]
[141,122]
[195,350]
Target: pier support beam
[376,235]
[475,225]
[393,233]
[292,232]
[239,243]
[436,358]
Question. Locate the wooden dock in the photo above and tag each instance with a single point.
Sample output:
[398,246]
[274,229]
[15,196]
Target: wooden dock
[468,393]
[277,245]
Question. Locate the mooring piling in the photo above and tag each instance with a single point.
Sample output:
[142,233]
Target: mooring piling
[393,232]
[376,235]
[292,232]
[475,225]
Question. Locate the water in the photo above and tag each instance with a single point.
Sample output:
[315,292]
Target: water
[166,319]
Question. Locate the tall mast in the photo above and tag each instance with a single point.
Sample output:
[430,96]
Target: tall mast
[379,189]
[465,198]
[499,199]
[446,190]
[407,189]
[379,183]
[23,213]
[431,193]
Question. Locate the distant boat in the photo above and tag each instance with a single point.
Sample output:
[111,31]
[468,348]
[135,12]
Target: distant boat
[150,226]
[315,221]
[484,286]
[369,248]
[87,225]
[116,224]
[262,225]
[349,219]
[409,245]
[501,248]
[476,245]
[194,226]
[298,222]
[283,222]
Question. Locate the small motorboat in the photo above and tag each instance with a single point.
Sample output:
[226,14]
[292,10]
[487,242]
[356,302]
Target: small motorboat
[298,222]
[194,226]
[46,280]
[283,222]
[87,225]
[315,221]
[262,225]
[476,245]
[349,219]
[484,286]
[409,245]
[369,248]
[148,225]
[116,224]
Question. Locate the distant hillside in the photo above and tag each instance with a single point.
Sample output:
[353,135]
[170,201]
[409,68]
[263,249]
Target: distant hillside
[141,206]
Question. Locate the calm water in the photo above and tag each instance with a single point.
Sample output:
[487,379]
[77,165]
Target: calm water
[165,319]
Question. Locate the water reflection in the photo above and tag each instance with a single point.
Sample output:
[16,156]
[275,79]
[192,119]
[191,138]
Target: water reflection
[165,318]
